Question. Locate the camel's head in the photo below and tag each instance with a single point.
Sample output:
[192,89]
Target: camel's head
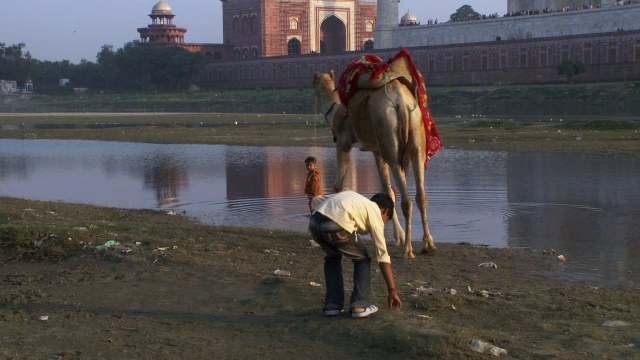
[323,83]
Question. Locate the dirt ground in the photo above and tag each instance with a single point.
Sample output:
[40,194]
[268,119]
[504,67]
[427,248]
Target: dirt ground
[176,289]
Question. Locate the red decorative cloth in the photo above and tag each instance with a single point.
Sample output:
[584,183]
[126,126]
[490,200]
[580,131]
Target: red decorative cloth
[375,66]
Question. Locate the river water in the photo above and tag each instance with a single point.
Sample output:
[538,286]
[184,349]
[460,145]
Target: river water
[585,207]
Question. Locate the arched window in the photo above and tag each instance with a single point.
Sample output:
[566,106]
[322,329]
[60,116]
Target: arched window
[368,45]
[235,25]
[294,47]
[245,53]
[209,56]
[245,24]
[368,26]
[293,24]
[253,24]
[217,55]
[236,53]
[255,52]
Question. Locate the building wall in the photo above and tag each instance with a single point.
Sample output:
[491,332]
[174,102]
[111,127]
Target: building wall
[608,57]
[522,5]
[8,86]
[580,22]
[259,28]
[242,27]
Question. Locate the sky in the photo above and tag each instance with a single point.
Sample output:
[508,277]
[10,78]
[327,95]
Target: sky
[76,29]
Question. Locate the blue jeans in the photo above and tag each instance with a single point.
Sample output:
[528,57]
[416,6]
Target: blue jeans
[336,243]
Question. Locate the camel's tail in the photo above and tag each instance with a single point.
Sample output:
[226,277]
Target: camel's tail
[404,136]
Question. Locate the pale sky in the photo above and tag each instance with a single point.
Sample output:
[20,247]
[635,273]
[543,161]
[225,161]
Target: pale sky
[76,29]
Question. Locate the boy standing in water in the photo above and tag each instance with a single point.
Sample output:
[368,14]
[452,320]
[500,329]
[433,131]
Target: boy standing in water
[313,187]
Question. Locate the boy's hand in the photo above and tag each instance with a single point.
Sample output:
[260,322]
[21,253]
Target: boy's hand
[394,300]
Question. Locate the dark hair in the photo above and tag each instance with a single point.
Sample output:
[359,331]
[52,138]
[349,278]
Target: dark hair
[310,159]
[384,201]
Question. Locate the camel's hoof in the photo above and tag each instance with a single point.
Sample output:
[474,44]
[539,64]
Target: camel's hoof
[409,256]
[429,250]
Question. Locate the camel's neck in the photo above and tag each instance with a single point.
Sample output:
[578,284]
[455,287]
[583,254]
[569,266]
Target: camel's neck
[329,99]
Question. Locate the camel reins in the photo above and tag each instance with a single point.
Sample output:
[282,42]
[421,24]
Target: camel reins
[328,111]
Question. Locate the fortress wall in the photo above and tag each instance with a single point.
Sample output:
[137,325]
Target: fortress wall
[608,57]
[580,22]
[521,5]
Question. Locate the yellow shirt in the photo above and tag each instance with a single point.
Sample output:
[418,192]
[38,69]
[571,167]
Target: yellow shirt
[354,212]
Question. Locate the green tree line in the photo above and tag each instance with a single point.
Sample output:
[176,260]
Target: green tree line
[134,67]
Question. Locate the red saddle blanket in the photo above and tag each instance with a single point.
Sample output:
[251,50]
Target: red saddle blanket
[370,71]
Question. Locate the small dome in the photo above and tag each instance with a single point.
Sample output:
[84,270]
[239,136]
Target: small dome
[409,18]
[161,8]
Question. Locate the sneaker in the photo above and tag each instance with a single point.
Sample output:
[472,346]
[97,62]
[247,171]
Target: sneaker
[369,310]
[332,312]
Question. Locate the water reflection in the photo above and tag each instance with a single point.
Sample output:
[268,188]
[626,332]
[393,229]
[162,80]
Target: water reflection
[583,206]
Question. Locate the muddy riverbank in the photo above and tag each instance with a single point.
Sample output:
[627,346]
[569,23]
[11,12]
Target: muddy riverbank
[588,136]
[175,289]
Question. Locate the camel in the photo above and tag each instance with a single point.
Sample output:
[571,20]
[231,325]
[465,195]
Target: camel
[387,122]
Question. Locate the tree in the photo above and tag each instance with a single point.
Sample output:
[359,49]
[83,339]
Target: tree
[14,64]
[108,67]
[152,67]
[464,13]
[571,68]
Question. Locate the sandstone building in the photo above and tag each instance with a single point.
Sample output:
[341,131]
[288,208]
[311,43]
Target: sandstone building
[258,28]
[162,32]
[261,28]
[300,37]
[526,48]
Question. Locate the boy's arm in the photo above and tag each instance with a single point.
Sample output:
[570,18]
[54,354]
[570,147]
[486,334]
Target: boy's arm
[393,299]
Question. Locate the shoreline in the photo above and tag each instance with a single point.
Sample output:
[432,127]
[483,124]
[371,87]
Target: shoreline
[593,137]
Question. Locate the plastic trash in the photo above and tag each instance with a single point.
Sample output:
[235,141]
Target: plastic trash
[562,258]
[43,318]
[279,272]
[486,348]
[428,290]
[615,323]
[313,283]
[489,264]
[108,244]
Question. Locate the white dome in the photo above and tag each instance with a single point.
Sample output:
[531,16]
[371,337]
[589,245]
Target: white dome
[161,8]
[409,18]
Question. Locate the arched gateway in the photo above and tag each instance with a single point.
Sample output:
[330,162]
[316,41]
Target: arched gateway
[333,35]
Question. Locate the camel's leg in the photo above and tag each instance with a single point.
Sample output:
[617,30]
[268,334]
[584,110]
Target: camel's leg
[385,181]
[342,155]
[405,203]
[418,161]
